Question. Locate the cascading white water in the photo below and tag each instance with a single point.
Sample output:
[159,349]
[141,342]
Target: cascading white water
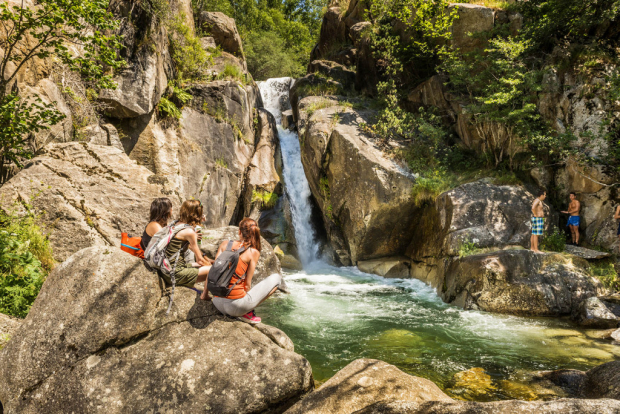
[335,315]
[275,94]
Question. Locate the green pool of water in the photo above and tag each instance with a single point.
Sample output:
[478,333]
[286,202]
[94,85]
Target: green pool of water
[335,316]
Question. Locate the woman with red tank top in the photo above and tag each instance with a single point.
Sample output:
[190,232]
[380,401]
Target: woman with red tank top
[243,299]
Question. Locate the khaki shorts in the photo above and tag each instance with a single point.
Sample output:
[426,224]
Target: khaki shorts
[185,276]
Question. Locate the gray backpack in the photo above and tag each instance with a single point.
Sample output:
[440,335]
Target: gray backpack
[223,270]
[155,254]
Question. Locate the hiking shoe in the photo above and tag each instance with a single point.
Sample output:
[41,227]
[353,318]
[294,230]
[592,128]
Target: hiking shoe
[251,318]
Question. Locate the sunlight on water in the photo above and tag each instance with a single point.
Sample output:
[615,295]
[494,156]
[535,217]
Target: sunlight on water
[337,315]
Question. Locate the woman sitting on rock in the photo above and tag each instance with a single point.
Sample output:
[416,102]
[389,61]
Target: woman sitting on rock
[187,274]
[161,212]
[243,299]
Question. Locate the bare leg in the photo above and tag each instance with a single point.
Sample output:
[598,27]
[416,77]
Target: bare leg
[534,243]
[203,272]
[576,234]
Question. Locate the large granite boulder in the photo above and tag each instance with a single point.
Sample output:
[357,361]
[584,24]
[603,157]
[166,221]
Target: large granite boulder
[364,382]
[516,282]
[86,195]
[487,215]
[265,170]
[503,407]
[98,339]
[223,30]
[594,313]
[365,197]
[333,70]
[331,36]
[268,263]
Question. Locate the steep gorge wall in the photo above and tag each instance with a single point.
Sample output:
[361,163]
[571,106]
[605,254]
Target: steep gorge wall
[221,148]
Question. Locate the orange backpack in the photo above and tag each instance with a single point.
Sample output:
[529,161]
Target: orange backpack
[131,245]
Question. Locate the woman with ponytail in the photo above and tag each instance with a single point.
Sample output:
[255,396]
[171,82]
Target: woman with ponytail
[243,299]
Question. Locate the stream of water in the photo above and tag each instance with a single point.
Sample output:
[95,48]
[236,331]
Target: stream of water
[336,315]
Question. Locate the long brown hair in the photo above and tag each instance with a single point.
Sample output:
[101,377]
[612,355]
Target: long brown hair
[250,233]
[191,212]
[161,211]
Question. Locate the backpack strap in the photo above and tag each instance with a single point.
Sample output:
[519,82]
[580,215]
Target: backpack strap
[229,246]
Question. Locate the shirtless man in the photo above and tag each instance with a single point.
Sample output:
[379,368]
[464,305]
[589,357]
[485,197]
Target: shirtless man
[573,221]
[538,220]
[617,217]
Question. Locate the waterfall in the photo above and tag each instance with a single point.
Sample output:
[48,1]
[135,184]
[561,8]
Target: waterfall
[275,98]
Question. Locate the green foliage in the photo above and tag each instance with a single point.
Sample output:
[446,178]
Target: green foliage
[191,60]
[554,240]
[468,248]
[605,271]
[323,87]
[221,162]
[267,199]
[25,260]
[552,22]
[48,30]
[318,104]
[268,57]
[168,109]
[277,35]
[231,71]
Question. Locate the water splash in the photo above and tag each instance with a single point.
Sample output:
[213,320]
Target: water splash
[275,98]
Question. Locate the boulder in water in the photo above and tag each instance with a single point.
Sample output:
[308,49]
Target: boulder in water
[593,313]
[517,282]
[98,339]
[364,382]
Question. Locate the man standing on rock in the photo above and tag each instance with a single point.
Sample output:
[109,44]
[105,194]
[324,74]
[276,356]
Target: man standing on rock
[538,220]
[573,221]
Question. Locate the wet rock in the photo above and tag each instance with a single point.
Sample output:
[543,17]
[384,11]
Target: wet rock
[471,384]
[276,227]
[223,30]
[593,313]
[600,334]
[268,263]
[517,282]
[111,348]
[288,261]
[287,119]
[571,381]
[364,382]
[604,381]
[504,407]
[8,325]
[87,194]
[397,267]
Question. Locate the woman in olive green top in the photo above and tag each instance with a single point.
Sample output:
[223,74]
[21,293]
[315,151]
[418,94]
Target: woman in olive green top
[187,274]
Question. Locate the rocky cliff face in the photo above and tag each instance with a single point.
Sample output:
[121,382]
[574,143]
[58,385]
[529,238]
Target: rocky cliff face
[220,150]
[111,348]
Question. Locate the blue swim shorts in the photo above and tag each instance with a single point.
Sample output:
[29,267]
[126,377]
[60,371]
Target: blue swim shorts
[538,224]
[573,221]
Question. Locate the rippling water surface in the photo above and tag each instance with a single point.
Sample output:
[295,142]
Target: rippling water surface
[337,315]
